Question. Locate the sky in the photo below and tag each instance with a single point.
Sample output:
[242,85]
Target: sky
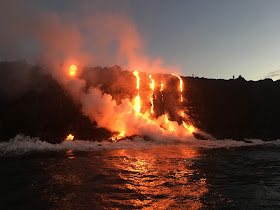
[211,39]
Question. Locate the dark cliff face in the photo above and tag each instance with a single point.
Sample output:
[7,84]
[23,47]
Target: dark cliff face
[33,103]
[235,108]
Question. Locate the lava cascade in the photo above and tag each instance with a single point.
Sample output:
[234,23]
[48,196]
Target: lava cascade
[129,117]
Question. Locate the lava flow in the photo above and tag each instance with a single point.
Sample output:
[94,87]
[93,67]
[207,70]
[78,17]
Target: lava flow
[137,98]
[70,137]
[190,128]
[152,86]
[181,86]
[161,90]
[115,138]
[168,124]
[129,118]
[72,70]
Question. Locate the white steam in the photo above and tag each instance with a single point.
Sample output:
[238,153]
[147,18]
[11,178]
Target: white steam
[83,38]
[102,109]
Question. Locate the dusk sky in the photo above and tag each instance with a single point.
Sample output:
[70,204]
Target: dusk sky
[213,39]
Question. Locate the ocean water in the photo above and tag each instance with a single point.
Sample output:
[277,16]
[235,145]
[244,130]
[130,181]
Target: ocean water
[139,174]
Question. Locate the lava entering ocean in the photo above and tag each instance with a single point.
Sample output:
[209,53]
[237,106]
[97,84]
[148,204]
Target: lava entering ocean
[129,117]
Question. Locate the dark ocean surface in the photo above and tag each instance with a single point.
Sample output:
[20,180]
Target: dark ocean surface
[139,175]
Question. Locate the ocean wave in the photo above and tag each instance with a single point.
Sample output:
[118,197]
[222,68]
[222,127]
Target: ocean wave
[24,144]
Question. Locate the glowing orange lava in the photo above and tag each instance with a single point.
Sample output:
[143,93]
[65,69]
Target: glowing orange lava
[70,137]
[161,86]
[161,89]
[118,137]
[137,104]
[181,86]
[170,127]
[182,114]
[152,86]
[72,70]
[136,74]
[190,128]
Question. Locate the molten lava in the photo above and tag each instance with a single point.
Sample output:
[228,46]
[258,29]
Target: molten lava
[152,104]
[118,137]
[182,114]
[136,74]
[161,89]
[190,128]
[152,86]
[130,117]
[137,104]
[72,70]
[70,137]
[168,124]
[181,86]
[161,86]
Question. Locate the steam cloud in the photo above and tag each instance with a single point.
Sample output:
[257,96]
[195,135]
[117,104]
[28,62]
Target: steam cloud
[81,36]
[82,40]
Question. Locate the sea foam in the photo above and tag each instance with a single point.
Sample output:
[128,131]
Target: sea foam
[21,144]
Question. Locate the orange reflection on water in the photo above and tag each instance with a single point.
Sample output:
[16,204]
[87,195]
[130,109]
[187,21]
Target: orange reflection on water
[163,176]
[70,154]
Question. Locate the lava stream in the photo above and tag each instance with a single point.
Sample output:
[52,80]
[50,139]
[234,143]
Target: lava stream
[72,70]
[181,86]
[137,105]
[70,137]
[152,86]
[190,128]
[118,137]
[161,89]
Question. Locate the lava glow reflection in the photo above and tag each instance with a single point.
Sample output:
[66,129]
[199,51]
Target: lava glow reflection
[162,179]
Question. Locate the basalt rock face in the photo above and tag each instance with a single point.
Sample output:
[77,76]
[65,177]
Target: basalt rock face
[235,109]
[34,104]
